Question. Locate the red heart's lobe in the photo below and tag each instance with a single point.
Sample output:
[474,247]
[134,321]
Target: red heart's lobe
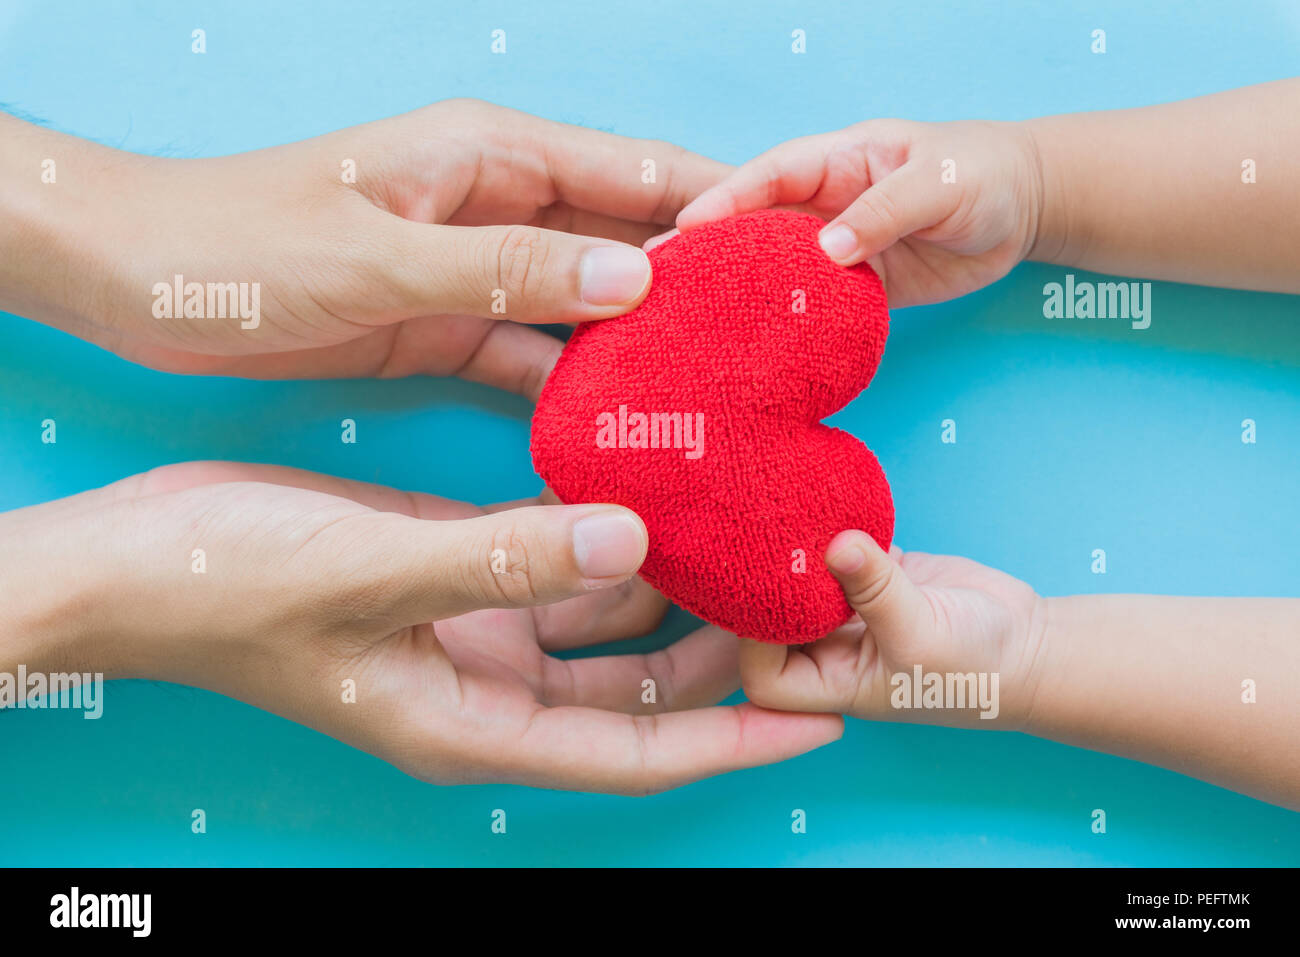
[701,411]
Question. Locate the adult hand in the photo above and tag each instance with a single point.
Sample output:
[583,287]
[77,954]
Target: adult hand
[286,589]
[411,245]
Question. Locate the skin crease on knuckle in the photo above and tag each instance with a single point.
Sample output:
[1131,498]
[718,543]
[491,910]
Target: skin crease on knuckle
[645,780]
[865,590]
[516,584]
[846,161]
[669,202]
[660,667]
[876,211]
[521,261]
[762,685]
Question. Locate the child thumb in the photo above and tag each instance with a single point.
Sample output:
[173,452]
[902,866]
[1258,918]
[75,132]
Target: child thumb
[875,586]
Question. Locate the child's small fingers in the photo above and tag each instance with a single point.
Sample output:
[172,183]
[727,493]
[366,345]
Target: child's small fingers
[658,240]
[742,192]
[786,175]
[782,677]
[902,203]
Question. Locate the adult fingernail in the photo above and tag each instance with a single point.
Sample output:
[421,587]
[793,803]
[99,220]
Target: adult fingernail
[847,559]
[608,545]
[839,242]
[613,275]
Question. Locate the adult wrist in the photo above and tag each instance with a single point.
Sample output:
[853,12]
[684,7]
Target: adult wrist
[59,230]
[48,609]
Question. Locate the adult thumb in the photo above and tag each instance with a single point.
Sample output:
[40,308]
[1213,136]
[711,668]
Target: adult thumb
[514,558]
[522,273]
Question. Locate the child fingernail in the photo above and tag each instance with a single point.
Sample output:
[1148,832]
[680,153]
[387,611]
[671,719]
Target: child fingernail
[839,241]
[659,240]
[608,545]
[613,275]
[847,559]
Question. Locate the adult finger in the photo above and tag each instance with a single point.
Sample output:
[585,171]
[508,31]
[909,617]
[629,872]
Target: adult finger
[629,610]
[698,670]
[643,180]
[523,273]
[405,571]
[592,750]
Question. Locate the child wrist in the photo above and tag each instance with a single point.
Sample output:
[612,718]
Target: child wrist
[1035,665]
[1048,227]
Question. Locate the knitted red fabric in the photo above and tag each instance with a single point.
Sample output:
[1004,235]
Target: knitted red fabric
[700,411]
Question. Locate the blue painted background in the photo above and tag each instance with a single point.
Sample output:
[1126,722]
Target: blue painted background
[1074,435]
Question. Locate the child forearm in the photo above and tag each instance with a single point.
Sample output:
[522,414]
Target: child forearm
[1204,190]
[1206,686]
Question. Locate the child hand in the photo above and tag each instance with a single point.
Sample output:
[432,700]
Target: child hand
[945,614]
[938,209]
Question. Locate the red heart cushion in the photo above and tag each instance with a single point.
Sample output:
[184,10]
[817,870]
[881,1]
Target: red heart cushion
[700,411]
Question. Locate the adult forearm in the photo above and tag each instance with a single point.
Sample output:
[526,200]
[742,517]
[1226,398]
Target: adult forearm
[57,230]
[53,592]
[1209,687]
[1204,191]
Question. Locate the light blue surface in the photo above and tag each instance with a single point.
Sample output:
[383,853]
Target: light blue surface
[1073,435]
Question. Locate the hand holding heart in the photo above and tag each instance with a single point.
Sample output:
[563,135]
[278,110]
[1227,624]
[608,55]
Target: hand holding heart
[422,244]
[701,411]
[385,619]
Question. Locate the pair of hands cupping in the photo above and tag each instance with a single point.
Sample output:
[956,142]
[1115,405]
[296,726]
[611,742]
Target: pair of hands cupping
[313,580]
